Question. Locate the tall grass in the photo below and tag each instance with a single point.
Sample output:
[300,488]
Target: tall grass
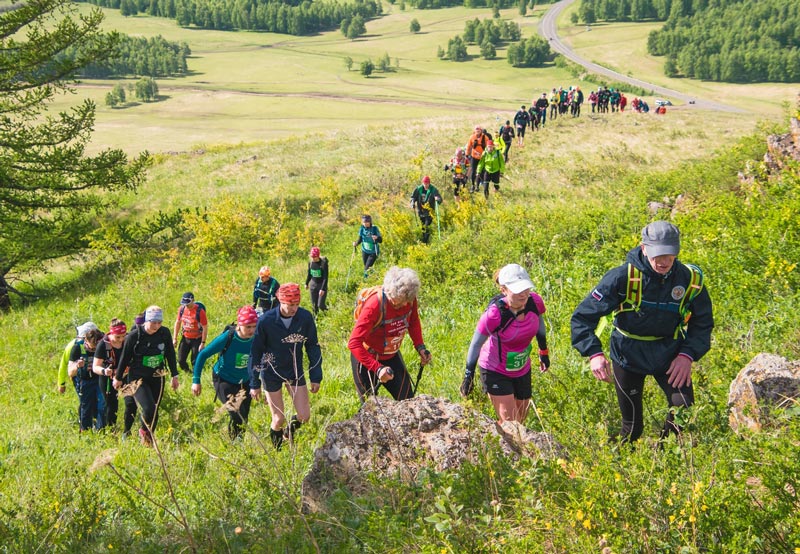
[569,210]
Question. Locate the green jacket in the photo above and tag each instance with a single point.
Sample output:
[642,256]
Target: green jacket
[492,161]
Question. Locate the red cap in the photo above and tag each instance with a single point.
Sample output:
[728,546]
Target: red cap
[489,143]
[314,252]
[289,293]
[246,315]
[426,180]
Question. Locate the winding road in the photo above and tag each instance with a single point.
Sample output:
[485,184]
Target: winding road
[548,28]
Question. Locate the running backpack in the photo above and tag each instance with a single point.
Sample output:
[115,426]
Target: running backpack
[230,330]
[507,316]
[363,296]
[200,306]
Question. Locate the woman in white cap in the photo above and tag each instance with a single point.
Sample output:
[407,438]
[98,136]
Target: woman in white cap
[148,351]
[502,343]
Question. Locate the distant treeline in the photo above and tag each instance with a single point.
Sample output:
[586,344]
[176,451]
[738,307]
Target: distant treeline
[289,17]
[736,41]
[152,57]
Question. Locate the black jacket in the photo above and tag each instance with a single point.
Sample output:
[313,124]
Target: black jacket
[658,316]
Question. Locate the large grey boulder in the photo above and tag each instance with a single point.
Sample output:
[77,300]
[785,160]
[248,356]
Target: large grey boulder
[768,380]
[400,438]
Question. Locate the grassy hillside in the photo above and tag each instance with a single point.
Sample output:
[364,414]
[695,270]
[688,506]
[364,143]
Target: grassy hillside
[572,204]
[249,86]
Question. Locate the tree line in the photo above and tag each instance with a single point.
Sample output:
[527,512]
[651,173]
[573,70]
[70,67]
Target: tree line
[153,57]
[500,4]
[490,33]
[740,41]
[288,17]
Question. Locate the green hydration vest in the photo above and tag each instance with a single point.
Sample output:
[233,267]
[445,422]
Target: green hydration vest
[633,301]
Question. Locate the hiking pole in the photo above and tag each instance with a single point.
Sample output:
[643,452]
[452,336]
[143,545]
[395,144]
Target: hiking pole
[438,225]
[349,267]
[419,376]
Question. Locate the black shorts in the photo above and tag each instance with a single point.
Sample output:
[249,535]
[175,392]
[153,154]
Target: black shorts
[492,177]
[521,130]
[273,383]
[497,384]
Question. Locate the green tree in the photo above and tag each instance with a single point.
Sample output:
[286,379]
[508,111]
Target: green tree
[51,192]
[119,92]
[488,51]
[146,89]
[523,7]
[456,49]
[384,63]
[439,52]
[111,100]
[348,62]
[367,67]
[356,28]
[414,27]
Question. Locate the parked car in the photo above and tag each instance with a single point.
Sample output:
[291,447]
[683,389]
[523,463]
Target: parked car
[660,102]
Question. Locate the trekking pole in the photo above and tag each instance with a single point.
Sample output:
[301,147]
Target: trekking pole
[419,376]
[438,225]
[349,267]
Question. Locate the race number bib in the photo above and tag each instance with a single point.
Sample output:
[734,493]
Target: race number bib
[517,360]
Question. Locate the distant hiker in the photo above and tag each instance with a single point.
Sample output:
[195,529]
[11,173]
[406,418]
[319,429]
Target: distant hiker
[576,101]
[652,296]
[86,380]
[564,101]
[541,109]
[635,104]
[276,360]
[264,290]
[63,366]
[317,279]
[502,343]
[106,356]
[369,237]
[521,121]
[593,100]
[192,324]
[230,375]
[603,96]
[555,100]
[506,134]
[425,200]
[491,167]
[148,352]
[623,101]
[475,146]
[614,100]
[383,316]
[458,167]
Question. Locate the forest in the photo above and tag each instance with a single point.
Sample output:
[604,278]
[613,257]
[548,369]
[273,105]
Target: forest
[293,18]
[153,57]
[737,41]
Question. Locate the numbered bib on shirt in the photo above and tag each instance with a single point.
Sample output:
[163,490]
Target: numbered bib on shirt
[517,360]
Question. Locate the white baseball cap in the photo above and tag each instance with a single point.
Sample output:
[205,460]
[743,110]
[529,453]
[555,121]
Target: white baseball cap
[515,278]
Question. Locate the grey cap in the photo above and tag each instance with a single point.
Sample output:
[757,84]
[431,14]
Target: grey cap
[661,238]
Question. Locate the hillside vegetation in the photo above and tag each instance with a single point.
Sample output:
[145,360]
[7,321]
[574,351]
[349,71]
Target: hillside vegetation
[572,203]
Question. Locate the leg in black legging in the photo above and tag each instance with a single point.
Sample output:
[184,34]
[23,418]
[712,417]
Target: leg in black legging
[629,387]
[239,416]
[676,398]
[367,382]
[148,396]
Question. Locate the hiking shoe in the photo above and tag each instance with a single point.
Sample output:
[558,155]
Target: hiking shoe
[290,430]
[145,438]
[277,438]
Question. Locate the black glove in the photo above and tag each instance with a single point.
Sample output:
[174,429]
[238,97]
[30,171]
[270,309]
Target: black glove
[545,360]
[466,384]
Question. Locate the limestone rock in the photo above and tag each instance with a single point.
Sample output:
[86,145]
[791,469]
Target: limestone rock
[767,379]
[399,438]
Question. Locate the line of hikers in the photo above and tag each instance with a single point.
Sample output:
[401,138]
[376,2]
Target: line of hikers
[660,310]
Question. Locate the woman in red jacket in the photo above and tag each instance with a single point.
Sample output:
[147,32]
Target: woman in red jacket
[385,317]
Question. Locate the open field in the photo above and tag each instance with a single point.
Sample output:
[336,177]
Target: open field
[247,86]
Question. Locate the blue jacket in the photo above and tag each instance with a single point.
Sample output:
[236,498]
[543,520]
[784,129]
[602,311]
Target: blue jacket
[658,316]
[232,366]
[278,351]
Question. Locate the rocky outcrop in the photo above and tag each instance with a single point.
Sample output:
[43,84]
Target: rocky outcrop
[389,438]
[767,381]
[782,148]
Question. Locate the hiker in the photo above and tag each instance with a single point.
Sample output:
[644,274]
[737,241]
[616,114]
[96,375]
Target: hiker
[521,121]
[506,134]
[369,237]
[458,167]
[276,360]
[131,409]
[192,323]
[651,297]
[576,101]
[147,352]
[230,375]
[491,167]
[426,199]
[623,101]
[264,290]
[593,100]
[475,146]
[501,345]
[317,279]
[106,356]
[541,109]
[555,99]
[86,380]
[384,315]
[63,366]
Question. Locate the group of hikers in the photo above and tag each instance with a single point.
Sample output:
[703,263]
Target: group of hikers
[660,310]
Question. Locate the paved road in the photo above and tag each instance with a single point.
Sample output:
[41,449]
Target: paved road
[549,30]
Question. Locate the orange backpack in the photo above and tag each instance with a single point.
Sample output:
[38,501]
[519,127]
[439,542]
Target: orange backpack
[362,297]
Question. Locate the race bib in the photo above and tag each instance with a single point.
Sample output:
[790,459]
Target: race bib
[241,361]
[153,362]
[368,246]
[517,360]
[316,273]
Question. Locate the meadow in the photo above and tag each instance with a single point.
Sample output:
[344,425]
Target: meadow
[572,202]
